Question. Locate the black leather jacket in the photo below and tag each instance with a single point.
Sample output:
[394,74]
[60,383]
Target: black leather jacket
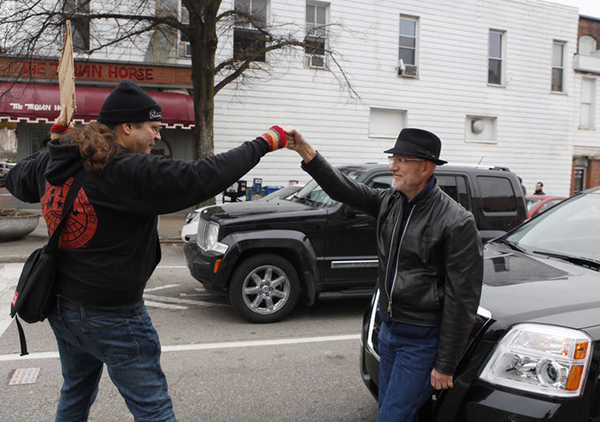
[440,262]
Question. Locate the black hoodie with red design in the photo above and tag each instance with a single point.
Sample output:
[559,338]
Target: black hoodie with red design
[109,245]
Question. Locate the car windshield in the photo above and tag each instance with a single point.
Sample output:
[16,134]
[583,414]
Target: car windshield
[280,194]
[314,195]
[570,229]
[531,202]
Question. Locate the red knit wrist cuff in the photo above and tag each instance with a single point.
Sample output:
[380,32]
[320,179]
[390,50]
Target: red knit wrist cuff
[275,137]
[58,129]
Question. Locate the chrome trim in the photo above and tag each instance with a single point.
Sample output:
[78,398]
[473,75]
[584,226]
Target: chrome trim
[362,263]
[201,233]
[484,313]
[371,324]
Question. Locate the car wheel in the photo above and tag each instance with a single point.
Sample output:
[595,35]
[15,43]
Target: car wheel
[264,288]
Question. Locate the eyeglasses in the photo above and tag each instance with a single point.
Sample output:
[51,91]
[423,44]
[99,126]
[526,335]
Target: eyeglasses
[400,161]
[156,129]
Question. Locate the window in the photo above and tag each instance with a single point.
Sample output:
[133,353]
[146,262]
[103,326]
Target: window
[456,188]
[579,181]
[185,49]
[588,103]
[497,195]
[248,42]
[587,45]
[381,182]
[407,52]
[77,11]
[38,138]
[558,66]
[316,35]
[548,204]
[495,57]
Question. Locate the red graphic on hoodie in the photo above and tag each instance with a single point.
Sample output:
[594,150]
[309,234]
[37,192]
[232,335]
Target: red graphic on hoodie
[81,221]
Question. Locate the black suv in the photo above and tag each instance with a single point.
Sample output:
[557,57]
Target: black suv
[533,353]
[266,255]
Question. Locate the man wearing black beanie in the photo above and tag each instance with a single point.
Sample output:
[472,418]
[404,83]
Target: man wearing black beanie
[129,103]
[109,245]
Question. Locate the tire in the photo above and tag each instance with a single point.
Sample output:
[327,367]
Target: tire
[264,288]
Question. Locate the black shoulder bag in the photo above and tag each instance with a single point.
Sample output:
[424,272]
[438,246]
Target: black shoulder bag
[34,294]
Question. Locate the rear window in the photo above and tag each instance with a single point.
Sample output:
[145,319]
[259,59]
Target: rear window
[381,182]
[456,188]
[497,195]
[531,202]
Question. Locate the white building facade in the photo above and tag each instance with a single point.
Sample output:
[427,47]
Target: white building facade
[493,79]
[479,73]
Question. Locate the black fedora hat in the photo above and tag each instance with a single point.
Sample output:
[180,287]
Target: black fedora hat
[418,143]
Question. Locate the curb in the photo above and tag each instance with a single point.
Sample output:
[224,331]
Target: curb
[171,240]
[11,259]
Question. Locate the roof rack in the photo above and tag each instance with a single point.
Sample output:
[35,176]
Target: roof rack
[481,166]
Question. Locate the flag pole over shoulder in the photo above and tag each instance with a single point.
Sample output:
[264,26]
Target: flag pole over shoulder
[66,76]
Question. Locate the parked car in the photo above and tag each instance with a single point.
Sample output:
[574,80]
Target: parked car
[190,227]
[537,204]
[267,255]
[4,169]
[533,353]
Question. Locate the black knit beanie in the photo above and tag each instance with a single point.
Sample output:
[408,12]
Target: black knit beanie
[129,103]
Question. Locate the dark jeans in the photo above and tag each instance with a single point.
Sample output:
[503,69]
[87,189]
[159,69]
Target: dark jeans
[127,343]
[407,354]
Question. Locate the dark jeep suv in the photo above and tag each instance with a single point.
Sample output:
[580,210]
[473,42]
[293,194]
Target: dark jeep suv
[266,255]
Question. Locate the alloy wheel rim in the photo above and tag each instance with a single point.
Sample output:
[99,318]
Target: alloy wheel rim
[266,290]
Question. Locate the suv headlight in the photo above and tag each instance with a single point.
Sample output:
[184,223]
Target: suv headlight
[209,240]
[542,359]
[193,216]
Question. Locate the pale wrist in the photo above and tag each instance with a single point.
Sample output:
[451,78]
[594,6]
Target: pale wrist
[307,153]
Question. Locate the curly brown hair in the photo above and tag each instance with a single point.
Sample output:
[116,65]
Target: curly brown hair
[96,144]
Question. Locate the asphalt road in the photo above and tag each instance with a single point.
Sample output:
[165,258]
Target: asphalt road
[219,367]
[7,201]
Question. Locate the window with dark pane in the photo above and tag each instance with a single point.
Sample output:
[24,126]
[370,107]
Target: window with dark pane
[558,57]
[316,34]
[248,41]
[495,58]
[408,41]
[77,12]
[497,195]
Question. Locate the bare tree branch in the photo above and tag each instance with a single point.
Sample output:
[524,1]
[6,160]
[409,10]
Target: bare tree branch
[153,30]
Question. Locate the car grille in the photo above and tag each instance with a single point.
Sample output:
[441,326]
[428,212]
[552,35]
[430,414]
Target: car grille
[201,235]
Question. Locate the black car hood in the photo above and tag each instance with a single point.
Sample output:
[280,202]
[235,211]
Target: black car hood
[246,211]
[519,287]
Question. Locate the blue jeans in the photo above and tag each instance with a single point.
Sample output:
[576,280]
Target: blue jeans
[406,357]
[127,343]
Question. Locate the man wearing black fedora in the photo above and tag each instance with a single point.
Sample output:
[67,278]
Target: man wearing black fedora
[430,268]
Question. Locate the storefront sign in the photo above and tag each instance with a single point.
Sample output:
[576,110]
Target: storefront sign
[39,103]
[99,71]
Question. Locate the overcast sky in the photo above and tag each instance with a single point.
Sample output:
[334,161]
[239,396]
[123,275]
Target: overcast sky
[586,7]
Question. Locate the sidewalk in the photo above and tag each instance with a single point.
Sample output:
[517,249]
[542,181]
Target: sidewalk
[18,250]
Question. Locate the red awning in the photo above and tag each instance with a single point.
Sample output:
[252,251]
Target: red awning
[37,103]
